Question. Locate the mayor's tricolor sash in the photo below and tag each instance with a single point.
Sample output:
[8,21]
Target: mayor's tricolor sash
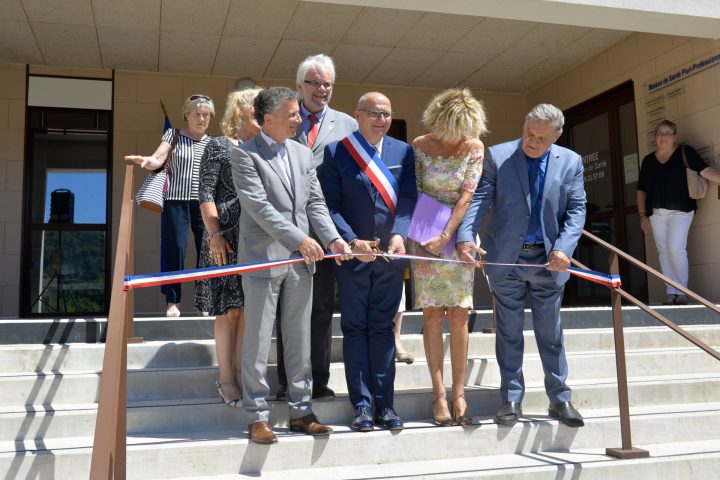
[371,165]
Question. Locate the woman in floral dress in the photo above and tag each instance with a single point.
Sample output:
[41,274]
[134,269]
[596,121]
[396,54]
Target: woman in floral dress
[448,163]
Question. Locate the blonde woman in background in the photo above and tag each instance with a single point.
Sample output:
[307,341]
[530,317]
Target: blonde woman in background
[448,165]
[223,296]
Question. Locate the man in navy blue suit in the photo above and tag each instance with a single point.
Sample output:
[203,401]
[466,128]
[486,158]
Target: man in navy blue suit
[536,193]
[368,180]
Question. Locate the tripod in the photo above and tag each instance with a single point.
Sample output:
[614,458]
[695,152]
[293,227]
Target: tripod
[63,292]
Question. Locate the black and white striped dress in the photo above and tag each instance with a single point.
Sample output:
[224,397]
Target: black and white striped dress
[185,166]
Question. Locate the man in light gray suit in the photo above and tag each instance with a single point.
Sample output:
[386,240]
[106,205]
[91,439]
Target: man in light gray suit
[536,192]
[281,199]
[320,126]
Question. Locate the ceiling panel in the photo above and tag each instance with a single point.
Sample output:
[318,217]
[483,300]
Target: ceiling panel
[66,12]
[438,31]
[259,18]
[244,56]
[68,45]
[128,14]
[12,11]
[320,22]
[544,72]
[18,44]
[381,27]
[355,62]
[451,69]
[493,34]
[290,53]
[589,45]
[129,49]
[402,66]
[207,18]
[502,74]
[546,39]
[187,52]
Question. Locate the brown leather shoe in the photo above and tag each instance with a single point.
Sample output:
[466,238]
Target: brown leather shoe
[260,432]
[310,425]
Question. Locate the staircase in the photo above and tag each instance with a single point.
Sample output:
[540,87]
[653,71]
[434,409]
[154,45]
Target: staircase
[178,428]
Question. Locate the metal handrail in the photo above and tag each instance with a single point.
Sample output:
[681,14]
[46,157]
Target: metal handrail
[109,444]
[616,294]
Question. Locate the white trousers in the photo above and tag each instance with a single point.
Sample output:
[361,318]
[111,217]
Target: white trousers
[670,231]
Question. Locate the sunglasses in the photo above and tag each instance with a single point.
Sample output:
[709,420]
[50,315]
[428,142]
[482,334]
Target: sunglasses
[200,97]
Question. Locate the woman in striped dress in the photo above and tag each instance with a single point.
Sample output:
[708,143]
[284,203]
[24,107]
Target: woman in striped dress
[182,208]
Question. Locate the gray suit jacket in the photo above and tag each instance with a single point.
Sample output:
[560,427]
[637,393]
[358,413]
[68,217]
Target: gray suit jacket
[335,126]
[274,219]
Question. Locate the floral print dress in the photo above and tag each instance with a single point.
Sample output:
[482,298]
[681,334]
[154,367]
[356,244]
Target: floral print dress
[444,179]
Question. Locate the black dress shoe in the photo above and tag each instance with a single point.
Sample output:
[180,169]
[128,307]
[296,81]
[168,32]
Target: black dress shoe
[509,413]
[566,414]
[281,394]
[323,393]
[387,418]
[362,419]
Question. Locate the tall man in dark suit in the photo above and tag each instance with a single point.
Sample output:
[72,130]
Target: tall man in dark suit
[368,180]
[281,199]
[320,126]
[536,193]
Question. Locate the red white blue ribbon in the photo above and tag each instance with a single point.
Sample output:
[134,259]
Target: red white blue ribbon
[370,163]
[181,276]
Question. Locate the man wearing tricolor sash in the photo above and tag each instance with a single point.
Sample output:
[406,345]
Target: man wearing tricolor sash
[368,180]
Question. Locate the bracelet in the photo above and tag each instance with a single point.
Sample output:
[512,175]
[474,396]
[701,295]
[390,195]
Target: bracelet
[445,235]
[642,214]
[216,234]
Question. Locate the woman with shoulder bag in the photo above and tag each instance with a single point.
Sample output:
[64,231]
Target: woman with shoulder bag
[181,207]
[665,206]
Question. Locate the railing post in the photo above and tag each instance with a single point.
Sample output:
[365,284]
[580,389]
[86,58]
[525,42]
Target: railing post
[109,444]
[626,451]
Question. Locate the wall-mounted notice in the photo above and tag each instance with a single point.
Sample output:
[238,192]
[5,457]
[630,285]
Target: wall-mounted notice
[631,167]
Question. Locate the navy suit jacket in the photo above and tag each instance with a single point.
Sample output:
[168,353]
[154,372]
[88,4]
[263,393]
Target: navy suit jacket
[355,206]
[505,187]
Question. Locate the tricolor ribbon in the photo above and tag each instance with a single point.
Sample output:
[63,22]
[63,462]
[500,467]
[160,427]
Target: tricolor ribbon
[181,276]
[371,165]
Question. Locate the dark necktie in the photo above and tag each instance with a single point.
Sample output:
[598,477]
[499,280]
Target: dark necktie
[534,178]
[313,132]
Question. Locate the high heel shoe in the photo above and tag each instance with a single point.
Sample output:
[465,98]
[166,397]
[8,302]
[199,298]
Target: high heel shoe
[233,402]
[460,420]
[445,421]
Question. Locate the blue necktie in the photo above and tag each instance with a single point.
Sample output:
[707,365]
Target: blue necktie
[534,178]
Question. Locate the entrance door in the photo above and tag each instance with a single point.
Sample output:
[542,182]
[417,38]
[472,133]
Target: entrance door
[603,131]
[66,236]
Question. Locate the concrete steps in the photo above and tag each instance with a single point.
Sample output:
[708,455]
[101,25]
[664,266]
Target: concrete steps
[178,427]
[221,452]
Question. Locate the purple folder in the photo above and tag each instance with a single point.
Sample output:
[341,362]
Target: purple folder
[429,220]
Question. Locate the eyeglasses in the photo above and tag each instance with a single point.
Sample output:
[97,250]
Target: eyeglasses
[664,134]
[316,84]
[376,114]
[200,97]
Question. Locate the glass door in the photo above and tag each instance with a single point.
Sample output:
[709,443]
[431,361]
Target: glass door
[66,241]
[603,131]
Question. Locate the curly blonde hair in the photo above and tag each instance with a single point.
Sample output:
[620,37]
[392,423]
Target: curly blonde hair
[231,122]
[454,114]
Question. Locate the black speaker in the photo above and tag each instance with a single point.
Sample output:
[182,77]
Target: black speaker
[62,206]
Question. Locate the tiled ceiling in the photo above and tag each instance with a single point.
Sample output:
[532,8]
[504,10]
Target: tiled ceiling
[268,38]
